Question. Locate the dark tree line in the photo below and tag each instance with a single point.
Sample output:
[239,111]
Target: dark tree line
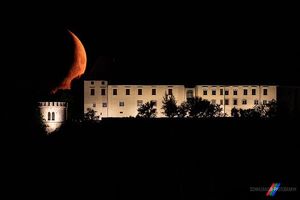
[192,108]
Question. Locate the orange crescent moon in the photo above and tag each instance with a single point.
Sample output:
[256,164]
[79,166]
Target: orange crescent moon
[78,66]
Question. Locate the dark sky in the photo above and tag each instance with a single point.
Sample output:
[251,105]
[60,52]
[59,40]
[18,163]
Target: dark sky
[228,48]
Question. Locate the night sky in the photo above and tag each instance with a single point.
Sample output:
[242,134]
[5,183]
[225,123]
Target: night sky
[176,49]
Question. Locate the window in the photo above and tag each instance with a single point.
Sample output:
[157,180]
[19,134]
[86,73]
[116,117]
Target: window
[92,92]
[255,102]
[245,92]
[121,112]
[235,102]
[49,116]
[213,101]
[226,101]
[226,92]
[154,102]
[94,105]
[170,91]
[53,116]
[127,91]
[104,105]
[102,83]
[139,103]
[153,91]
[213,92]
[265,102]
[121,104]
[103,92]
[140,91]
[189,94]
[115,91]
[221,102]
[204,92]
[235,92]
[244,101]
[221,92]
[253,91]
[265,91]
[92,83]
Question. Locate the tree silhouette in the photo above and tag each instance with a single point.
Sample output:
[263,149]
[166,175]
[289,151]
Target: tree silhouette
[271,109]
[259,111]
[198,108]
[90,115]
[169,106]
[182,110]
[147,110]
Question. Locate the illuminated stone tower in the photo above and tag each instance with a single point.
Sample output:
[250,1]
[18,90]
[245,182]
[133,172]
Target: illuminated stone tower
[54,114]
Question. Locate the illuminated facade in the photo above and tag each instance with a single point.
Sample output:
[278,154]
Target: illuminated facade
[54,114]
[124,100]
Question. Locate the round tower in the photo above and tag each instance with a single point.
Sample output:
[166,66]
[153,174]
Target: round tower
[53,114]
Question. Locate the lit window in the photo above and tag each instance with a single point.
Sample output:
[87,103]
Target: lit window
[265,102]
[170,92]
[265,91]
[235,92]
[139,103]
[221,102]
[221,92]
[213,92]
[226,92]
[245,92]
[49,116]
[204,92]
[253,91]
[103,92]
[235,102]
[153,91]
[226,101]
[127,91]
[140,91]
[92,92]
[115,91]
[53,116]
[255,102]
[121,104]
[104,105]
[213,101]
[244,101]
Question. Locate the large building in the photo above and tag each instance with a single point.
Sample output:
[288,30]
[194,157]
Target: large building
[124,100]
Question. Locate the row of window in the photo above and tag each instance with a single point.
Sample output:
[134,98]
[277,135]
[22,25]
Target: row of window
[127,92]
[235,92]
[102,83]
[235,102]
[189,92]
[122,103]
[213,101]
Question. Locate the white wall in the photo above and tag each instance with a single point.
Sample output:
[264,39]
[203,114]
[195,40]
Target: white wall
[130,107]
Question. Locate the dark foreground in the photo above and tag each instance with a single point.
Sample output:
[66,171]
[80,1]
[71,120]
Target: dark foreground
[160,159]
